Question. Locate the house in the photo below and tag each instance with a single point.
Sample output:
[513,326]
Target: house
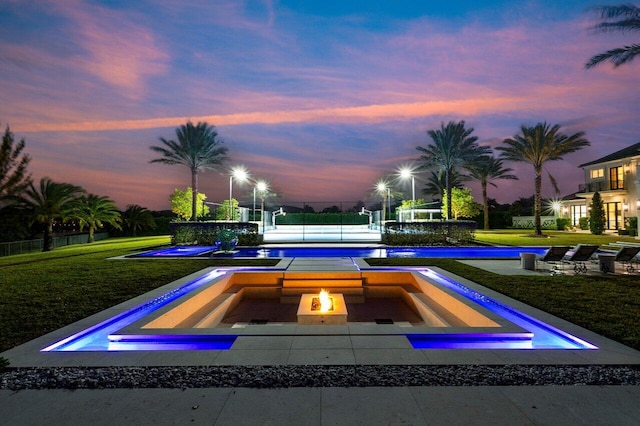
[617,178]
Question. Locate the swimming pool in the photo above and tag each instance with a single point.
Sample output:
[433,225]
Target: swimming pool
[104,336]
[467,252]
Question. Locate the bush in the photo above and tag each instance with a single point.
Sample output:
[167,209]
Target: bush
[563,223]
[632,226]
[205,233]
[429,233]
[597,219]
[583,223]
[184,235]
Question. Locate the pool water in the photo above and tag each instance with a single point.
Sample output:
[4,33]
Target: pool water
[377,252]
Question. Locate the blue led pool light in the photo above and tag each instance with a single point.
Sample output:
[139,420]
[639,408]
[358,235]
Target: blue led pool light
[545,336]
[96,338]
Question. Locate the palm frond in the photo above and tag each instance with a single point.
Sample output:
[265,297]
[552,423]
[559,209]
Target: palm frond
[617,57]
[609,12]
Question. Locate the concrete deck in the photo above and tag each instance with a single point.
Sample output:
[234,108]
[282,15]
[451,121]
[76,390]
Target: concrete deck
[331,345]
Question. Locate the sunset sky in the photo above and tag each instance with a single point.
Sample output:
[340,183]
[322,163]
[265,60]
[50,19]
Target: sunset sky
[320,98]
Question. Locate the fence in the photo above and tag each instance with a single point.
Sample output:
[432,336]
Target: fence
[28,246]
[528,222]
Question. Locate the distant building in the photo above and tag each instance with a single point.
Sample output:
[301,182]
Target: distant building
[617,178]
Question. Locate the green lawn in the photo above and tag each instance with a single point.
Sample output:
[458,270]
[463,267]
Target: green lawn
[42,292]
[523,237]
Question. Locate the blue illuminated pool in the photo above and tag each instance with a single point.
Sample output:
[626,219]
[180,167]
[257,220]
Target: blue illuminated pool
[104,336]
[470,252]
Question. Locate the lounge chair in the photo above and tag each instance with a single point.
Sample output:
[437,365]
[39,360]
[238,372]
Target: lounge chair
[626,255]
[579,256]
[553,256]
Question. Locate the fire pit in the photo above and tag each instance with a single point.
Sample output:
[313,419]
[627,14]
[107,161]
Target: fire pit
[322,308]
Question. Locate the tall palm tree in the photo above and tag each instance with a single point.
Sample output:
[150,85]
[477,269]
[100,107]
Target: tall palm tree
[51,201]
[452,147]
[485,170]
[537,145]
[94,211]
[137,218]
[622,18]
[198,147]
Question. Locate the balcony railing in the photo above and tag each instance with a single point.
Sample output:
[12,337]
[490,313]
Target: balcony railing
[597,186]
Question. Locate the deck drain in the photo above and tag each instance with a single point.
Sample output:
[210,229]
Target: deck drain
[384,321]
[258,321]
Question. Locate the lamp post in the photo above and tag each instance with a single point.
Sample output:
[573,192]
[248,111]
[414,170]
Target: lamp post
[240,173]
[384,189]
[406,173]
[261,186]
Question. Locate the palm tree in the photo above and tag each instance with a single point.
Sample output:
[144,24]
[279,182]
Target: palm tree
[137,218]
[629,21]
[485,170]
[453,146]
[51,201]
[94,211]
[198,147]
[13,167]
[437,185]
[537,145]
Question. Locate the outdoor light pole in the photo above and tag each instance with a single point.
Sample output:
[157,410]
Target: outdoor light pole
[260,186]
[254,203]
[408,173]
[240,173]
[382,187]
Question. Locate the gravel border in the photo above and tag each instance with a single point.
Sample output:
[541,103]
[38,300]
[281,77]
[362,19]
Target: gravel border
[315,376]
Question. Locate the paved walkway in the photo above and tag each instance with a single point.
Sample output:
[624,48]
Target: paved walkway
[545,405]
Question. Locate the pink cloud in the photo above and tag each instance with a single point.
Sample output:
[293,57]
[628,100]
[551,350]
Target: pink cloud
[120,51]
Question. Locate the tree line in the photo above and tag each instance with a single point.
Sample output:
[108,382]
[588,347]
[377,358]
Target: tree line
[24,202]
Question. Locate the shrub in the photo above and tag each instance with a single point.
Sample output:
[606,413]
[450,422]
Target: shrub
[583,223]
[597,217]
[632,226]
[429,233]
[205,233]
[184,235]
[563,223]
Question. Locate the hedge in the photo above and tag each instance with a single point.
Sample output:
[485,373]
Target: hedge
[204,233]
[429,233]
[323,219]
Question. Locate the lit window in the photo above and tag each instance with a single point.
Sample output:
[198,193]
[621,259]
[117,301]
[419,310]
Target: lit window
[597,173]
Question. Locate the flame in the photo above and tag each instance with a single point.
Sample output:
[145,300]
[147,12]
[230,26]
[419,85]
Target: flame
[325,301]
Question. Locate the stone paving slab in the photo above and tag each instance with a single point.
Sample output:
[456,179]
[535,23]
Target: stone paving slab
[488,405]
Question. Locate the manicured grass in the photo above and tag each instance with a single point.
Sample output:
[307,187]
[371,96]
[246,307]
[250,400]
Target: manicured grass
[524,237]
[606,304]
[41,292]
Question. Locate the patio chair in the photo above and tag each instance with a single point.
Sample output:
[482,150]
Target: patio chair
[627,256]
[579,256]
[553,256]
